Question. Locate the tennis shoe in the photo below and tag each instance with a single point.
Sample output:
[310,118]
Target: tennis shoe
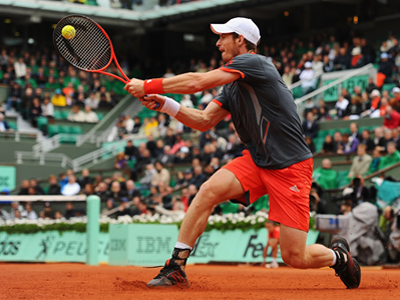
[272,266]
[171,274]
[346,268]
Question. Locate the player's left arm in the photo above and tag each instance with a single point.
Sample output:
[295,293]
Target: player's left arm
[187,83]
[273,242]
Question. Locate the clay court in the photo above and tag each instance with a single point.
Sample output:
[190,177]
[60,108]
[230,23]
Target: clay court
[78,281]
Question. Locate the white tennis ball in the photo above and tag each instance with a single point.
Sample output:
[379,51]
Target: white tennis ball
[68,32]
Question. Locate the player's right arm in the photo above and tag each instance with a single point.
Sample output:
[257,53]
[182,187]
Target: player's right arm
[194,118]
[187,83]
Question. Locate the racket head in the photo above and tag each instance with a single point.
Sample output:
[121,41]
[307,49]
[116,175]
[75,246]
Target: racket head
[90,49]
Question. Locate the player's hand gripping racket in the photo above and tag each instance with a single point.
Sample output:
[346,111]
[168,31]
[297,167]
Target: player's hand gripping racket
[89,48]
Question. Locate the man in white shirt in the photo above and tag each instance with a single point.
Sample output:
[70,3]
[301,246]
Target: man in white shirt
[20,68]
[76,115]
[309,84]
[92,101]
[90,116]
[129,123]
[47,108]
[71,188]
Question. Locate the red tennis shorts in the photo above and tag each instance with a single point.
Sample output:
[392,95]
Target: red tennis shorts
[288,189]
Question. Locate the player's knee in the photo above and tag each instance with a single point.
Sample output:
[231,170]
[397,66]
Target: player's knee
[293,259]
[207,194]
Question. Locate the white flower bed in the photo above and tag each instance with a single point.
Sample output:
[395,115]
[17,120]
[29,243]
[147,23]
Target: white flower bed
[228,221]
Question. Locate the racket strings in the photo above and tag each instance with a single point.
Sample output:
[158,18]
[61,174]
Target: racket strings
[89,49]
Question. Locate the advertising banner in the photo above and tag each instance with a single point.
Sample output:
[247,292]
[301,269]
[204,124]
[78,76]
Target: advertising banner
[50,246]
[331,94]
[7,177]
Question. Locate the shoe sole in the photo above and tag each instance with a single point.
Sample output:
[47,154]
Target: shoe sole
[180,285]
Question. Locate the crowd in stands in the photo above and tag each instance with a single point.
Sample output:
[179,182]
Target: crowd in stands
[41,81]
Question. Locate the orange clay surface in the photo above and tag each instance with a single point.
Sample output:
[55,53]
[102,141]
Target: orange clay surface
[78,281]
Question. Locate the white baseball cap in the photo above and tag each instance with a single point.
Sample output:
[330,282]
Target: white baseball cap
[242,26]
[375,93]
[396,90]
[308,64]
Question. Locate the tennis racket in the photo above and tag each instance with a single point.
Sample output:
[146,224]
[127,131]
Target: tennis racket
[90,49]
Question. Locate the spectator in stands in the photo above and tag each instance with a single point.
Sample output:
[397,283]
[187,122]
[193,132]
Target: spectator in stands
[385,70]
[24,188]
[161,175]
[367,141]
[47,212]
[341,107]
[287,76]
[14,99]
[307,74]
[317,205]
[371,86]
[376,159]
[54,187]
[392,156]
[4,215]
[349,145]
[378,138]
[355,108]
[354,134]
[329,146]
[124,209]
[85,178]
[29,213]
[342,60]
[35,111]
[310,144]
[58,215]
[92,101]
[361,162]
[128,123]
[3,124]
[17,215]
[116,192]
[103,95]
[131,152]
[70,212]
[310,126]
[142,160]
[76,115]
[328,64]
[148,176]
[396,138]
[47,108]
[90,116]
[34,184]
[325,176]
[58,99]
[20,68]
[120,161]
[71,188]
[386,220]
[391,118]
[387,137]
[357,192]
[103,192]
[131,190]
[192,191]
[166,158]
[357,59]
[137,126]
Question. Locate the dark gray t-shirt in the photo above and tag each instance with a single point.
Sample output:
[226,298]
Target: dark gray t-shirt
[264,112]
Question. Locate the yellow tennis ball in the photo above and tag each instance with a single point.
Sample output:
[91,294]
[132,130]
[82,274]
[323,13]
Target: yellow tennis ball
[68,32]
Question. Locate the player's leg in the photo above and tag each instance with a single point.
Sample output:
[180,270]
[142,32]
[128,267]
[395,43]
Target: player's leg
[296,254]
[273,243]
[222,186]
[265,254]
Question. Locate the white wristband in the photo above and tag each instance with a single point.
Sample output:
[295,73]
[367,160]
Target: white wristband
[170,107]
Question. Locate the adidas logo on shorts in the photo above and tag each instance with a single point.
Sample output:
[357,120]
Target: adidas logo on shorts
[294,188]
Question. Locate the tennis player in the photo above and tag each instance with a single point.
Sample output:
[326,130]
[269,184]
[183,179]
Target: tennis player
[276,161]
[274,232]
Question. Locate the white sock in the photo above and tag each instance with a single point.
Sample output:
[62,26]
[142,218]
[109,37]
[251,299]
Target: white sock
[274,260]
[334,258]
[182,246]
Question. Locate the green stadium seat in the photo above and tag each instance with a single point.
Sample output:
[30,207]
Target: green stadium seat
[12,124]
[53,130]
[69,139]
[100,116]
[64,129]
[65,114]
[342,178]
[75,130]
[388,86]
[42,122]
[58,115]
